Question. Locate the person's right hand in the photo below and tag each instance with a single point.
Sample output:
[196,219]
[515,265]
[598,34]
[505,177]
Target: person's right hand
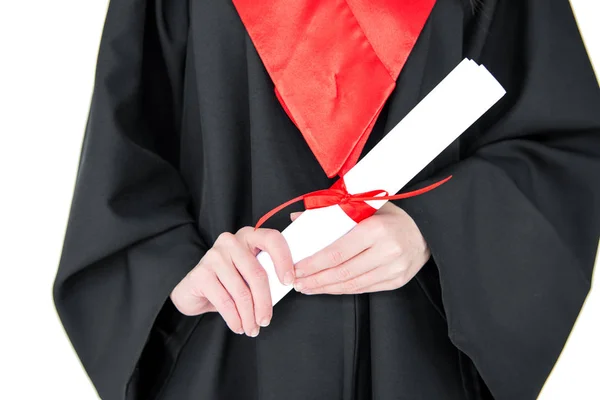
[230,280]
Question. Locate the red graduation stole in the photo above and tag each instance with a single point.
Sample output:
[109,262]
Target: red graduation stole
[334,64]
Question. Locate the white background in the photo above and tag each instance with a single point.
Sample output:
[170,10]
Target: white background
[48,52]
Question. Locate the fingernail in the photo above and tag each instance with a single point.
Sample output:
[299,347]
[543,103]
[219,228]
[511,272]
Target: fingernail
[265,322]
[254,332]
[288,278]
[240,332]
[298,286]
[299,273]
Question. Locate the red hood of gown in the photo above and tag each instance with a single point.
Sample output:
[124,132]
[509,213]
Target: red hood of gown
[334,63]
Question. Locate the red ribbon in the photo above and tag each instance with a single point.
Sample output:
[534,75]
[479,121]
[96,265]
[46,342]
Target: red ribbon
[353,204]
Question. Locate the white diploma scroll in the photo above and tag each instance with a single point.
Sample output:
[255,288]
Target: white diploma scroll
[439,119]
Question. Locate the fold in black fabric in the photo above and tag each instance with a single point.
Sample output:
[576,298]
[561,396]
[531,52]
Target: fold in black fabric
[187,140]
[514,233]
[131,236]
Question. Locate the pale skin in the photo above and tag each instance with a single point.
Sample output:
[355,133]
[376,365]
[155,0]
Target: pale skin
[383,252]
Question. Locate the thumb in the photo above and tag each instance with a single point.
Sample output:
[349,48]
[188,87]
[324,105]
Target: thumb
[187,302]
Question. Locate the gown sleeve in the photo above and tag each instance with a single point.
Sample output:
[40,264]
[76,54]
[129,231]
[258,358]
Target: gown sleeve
[514,233]
[130,236]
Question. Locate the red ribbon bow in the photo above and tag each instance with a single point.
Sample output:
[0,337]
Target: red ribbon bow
[353,204]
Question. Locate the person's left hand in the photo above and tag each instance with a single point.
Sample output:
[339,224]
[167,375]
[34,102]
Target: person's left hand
[383,252]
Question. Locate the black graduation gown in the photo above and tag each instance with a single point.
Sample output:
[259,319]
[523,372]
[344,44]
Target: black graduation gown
[187,140]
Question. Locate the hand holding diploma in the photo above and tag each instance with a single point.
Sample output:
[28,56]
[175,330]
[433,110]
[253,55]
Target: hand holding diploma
[383,252]
[229,280]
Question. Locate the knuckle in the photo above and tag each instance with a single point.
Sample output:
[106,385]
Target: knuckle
[212,263]
[397,270]
[315,282]
[336,257]
[244,295]
[226,239]
[403,278]
[379,227]
[207,259]
[244,230]
[260,275]
[307,266]
[227,303]
[398,283]
[211,258]
[396,248]
[342,274]
[272,236]
[350,286]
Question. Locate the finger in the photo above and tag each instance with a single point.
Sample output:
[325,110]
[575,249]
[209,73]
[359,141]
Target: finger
[258,281]
[273,242]
[219,297]
[356,285]
[232,281]
[340,251]
[386,286]
[295,215]
[354,267]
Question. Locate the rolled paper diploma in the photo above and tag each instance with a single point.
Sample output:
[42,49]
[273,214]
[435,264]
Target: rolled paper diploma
[439,119]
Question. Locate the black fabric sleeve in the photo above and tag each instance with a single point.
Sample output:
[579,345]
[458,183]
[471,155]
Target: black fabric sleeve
[130,237]
[514,233]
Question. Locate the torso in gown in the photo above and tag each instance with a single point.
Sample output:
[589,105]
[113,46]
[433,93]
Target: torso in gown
[241,156]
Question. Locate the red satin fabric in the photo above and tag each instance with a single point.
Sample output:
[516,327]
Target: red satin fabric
[334,64]
[353,204]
